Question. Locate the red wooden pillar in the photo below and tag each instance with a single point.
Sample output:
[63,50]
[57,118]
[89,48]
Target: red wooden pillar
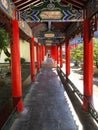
[16,67]
[39,52]
[45,50]
[88,64]
[33,74]
[57,56]
[67,47]
[38,59]
[43,53]
[40,55]
[61,62]
[54,52]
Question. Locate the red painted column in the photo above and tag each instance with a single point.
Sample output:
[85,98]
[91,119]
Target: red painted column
[57,56]
[33,74]
[61,62]
[88,64]
[67,47]
[43,52]
[16,67]
[54,52]
[38,59]
[40,55]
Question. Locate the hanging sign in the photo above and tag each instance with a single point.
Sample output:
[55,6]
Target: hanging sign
[50,34]
[52,11]
[50,37]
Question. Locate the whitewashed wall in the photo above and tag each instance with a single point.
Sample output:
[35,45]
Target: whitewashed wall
[2,57]
[24,52]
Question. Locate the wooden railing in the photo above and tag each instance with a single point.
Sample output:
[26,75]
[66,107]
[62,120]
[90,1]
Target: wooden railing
[68,82]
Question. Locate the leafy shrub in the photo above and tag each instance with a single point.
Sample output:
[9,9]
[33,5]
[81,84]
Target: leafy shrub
[4,39]
[23,60]
[7,59]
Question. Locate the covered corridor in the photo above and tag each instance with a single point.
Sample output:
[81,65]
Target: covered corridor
[47,26]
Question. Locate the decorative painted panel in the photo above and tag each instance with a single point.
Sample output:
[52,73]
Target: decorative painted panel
[8,7]
[25,28]
[92,8]
[50,37]
[52,11]
[75,29]
[93,26]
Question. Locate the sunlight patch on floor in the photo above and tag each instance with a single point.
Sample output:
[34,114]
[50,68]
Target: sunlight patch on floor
[78,123]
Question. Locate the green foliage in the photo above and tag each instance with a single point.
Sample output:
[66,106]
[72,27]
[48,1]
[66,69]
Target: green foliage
[23,60]
[95,41]
[96,51]
[77,53]
[4,39]
[7,53]
[7,59]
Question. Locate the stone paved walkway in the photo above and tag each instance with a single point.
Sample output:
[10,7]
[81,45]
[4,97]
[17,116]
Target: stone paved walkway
[46,107]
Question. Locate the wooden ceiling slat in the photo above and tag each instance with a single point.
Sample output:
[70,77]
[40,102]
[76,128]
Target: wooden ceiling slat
[28,2]
[39,3]
[24,6]
[15,1]
[74,7]
[20,3]
[74,4]
[79,2]
[26,9]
